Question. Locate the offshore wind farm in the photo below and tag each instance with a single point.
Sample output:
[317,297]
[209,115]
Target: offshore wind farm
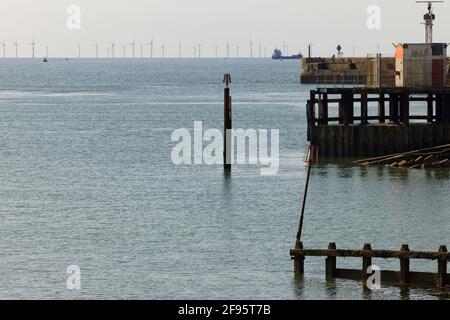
[148,50]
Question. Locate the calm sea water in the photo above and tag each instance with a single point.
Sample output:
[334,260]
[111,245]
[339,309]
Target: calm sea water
[87,179]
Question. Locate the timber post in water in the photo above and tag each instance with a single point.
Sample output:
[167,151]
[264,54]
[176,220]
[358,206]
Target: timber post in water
[360,122]
[228,124]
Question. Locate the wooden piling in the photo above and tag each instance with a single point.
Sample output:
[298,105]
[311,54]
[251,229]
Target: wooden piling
[311,118]
[430,108]
[341,111]
[364,109]
[330,263]
[439,108]
[299,260]
[367,261]
[446,110]
[323,109]
[442,269]
[404,266]
[404,108]
[381,109]
[393,108]
[348,109]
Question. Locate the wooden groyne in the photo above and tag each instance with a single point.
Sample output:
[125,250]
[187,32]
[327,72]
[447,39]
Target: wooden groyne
[440,278]
[370,122]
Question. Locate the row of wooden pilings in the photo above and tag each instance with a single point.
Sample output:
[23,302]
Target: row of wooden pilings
[405,276]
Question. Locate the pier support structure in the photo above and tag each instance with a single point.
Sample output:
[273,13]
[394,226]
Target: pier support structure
[354,122]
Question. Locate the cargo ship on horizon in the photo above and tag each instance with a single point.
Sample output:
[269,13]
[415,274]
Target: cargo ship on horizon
[278,55]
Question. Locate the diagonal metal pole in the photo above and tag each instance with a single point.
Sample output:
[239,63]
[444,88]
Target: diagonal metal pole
[312,156]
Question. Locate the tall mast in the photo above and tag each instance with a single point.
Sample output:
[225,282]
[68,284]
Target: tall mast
[429,18]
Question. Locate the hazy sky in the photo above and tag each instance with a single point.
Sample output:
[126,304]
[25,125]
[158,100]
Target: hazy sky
[325,23]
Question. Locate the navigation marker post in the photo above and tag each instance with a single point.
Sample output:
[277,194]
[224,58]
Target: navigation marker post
[228,124]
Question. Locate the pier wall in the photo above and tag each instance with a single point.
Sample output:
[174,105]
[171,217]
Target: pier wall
[377,140]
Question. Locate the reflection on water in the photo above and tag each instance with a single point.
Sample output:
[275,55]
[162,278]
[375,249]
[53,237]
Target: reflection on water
[337,289]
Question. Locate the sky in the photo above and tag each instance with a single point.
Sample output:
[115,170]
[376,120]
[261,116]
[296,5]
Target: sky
[211,23]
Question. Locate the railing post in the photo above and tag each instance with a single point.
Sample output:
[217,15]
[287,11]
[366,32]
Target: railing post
[381,109]
[330,262]
[404,266]
[442,269]
[299,260]
[367,261]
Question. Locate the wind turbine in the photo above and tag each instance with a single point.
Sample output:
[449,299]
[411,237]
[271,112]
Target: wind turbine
[163,47]
[16,45]
[260,51]
[179,50]
[113,46]
[133,45]
[4,49]
[32,44]
[124,47]
[237,51]
[142,51]
[151,44]
[107,49]
[217,51]
[46,52]
[200,50]
[96,50]
[195,51]
[265,52]
[79,50]
[251,48]
[228,50]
